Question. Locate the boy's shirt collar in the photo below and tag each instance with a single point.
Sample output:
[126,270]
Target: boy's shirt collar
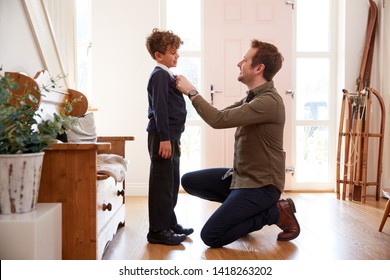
[166,69]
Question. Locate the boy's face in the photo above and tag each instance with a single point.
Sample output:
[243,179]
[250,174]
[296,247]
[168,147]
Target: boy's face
[169,58]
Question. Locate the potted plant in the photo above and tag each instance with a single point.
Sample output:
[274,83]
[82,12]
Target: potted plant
[24,134]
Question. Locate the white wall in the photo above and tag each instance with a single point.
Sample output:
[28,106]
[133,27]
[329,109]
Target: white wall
[385,89]
[18,50]
[121,68]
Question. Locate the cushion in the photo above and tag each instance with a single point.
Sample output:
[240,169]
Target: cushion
[85,131]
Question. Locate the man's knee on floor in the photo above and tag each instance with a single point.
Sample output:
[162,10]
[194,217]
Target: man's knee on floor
[209,239]
[185,183]
[184,180]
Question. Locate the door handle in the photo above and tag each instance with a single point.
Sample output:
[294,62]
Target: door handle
[212,91]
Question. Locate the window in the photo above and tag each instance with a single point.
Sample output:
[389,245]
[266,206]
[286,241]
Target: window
[184,19]
[314,89]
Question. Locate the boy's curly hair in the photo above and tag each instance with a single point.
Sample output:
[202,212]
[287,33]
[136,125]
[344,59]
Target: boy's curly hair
[159,41]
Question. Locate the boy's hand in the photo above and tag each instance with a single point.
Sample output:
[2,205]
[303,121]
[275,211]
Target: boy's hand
[165,150]
[183,84]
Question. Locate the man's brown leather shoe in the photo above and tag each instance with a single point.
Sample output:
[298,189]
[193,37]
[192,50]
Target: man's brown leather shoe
[287,220]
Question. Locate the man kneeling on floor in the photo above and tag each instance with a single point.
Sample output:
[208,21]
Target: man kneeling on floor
[250,191]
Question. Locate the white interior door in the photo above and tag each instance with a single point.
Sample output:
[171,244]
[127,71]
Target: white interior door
[229,27]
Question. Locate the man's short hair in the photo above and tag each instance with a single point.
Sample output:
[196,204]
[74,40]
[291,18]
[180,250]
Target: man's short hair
[268,55]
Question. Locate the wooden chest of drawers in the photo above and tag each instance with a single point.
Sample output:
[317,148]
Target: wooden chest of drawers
[92,209]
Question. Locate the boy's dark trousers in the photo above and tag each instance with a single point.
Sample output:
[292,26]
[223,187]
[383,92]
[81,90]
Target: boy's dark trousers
[164,181]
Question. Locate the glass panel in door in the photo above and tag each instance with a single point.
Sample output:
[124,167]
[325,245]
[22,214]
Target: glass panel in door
[313,98]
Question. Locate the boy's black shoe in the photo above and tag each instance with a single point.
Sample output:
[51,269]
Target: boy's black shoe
[180,230]
[165,237]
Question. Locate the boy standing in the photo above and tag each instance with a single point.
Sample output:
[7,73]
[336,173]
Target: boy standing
[167,115]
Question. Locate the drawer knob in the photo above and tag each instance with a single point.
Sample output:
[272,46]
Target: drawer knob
[107,207]
[120,193]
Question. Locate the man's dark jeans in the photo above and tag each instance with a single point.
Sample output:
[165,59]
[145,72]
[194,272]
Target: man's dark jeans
[242,210]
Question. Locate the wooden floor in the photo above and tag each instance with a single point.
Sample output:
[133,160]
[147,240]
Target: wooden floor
[331,229]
